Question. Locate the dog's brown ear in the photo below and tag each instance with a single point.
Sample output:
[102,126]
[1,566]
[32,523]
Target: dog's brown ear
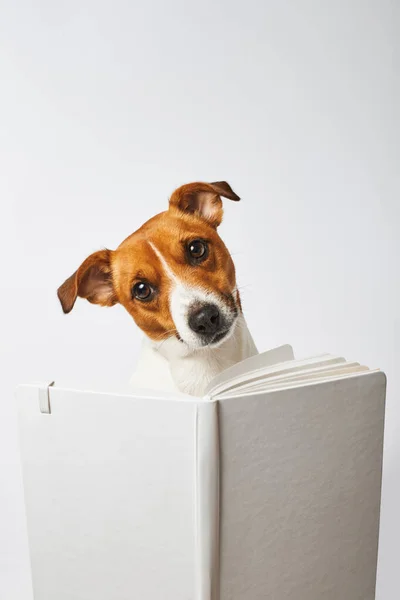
[203,199]
[93,281]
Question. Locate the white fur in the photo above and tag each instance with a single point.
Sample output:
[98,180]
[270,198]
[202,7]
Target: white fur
[169,366]
[185,365]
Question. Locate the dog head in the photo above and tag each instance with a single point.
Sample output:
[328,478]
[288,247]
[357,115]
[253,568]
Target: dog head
[174,275]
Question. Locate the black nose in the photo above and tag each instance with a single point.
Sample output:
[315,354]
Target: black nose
[205,320]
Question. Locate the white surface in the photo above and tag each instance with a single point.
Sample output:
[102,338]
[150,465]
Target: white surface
[110,489]
[207,501]
[105,109]
[126,496]
[300,491]
[242,370]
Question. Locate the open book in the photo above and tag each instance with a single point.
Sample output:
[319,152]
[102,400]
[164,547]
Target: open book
[268,487]
[277,369]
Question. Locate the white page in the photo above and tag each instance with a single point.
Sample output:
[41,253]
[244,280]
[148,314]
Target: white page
[250,365]
[298,375]
[301,383]
[279,368]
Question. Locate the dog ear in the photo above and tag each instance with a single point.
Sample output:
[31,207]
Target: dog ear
[93,281]
[203,199]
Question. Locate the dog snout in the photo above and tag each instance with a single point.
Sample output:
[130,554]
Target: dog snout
[205,320]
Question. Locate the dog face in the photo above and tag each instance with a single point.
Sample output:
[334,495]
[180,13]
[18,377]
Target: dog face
[174,275]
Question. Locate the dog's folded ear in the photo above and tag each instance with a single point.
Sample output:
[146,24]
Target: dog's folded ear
[203,200]
[93,281]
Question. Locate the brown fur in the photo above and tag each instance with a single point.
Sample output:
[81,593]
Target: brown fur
[107,277]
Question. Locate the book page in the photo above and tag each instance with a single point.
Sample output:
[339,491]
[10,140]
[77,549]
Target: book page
[250,365]
[295,374]
[280,368]
[298,380]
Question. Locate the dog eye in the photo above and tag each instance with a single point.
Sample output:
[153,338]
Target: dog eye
[142,291]
[197,251]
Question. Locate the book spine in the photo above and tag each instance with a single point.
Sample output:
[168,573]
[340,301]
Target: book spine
[207,502]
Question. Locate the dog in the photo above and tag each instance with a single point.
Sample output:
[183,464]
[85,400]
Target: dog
[177,280]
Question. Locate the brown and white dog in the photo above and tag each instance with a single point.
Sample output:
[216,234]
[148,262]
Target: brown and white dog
[176,278]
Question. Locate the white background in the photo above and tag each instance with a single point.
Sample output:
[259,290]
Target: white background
[106,107]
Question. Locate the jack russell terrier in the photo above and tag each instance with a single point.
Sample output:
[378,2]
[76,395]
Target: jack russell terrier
[176,278]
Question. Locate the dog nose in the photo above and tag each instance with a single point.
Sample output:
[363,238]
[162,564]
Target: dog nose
[205,320]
